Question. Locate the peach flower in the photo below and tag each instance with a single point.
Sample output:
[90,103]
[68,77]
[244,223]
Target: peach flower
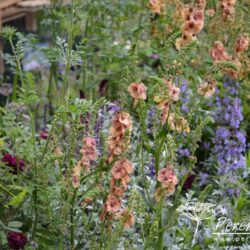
[168,179]
[174,92]
[118,140]
[159,194]
[228,8]
[164,174]
[180,124]
[138,91]
[127,218]
[156,6]
[76,175]
[242,43]
[121,168]
[112,204]
[207,89]
[218,52]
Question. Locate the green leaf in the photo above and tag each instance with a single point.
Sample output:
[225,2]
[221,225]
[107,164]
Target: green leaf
[15,224]
[15,201]
[205,192]
[3,238]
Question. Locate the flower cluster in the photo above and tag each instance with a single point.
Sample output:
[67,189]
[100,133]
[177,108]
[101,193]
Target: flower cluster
[17,240]
[180,124]
[208,88]
[16,165]
[89,154]
[219,53]
[228,8]
[119,183]
[118,140]
[229,148]
[193,17]
[186,94]
[230,142]
[168,180]
[118,144]
[169,94]
[138,91]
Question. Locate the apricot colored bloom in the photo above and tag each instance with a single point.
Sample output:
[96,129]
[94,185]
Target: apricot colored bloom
[218,52]
[89,154]
[168,180]
[127,218]
[138,91]
[156,6]
[191,28]
[164,173]
[112,204]
[228,8]
[174,92]
[118,140]
[117,190]
[121,168]
[207,89]
[184,40]
[164,115]
[159,194]
[162,105]
[76,175]
[180,124]
[193,23]
[122,121]
[242,43]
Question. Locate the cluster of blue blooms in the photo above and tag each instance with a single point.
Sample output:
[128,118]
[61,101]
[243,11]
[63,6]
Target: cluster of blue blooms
[229,141]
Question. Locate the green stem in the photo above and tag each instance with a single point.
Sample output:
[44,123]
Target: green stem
[19,70]
[157,168]
[161,233]
[65,86]
[35,193]
[72,224]
[6,190]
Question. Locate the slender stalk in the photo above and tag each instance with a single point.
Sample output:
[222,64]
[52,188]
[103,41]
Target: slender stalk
[35,193]
[157,168]
[6,190]
[196,231]
[19,69]
[72,224]
[65,86]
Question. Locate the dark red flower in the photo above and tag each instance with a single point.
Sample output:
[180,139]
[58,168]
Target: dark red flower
[189,182]
[103,87]
[11,161]
[17,241]
[44,135]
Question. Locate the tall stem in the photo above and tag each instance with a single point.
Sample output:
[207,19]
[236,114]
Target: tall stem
[157,168]
[72,226]
[65,86]
[19,70]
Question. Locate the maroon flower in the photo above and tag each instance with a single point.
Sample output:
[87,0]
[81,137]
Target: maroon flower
[189,182]
[17,241]
[44,135]
[11,161]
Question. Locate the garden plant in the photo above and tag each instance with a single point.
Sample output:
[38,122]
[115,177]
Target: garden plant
[130,129]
